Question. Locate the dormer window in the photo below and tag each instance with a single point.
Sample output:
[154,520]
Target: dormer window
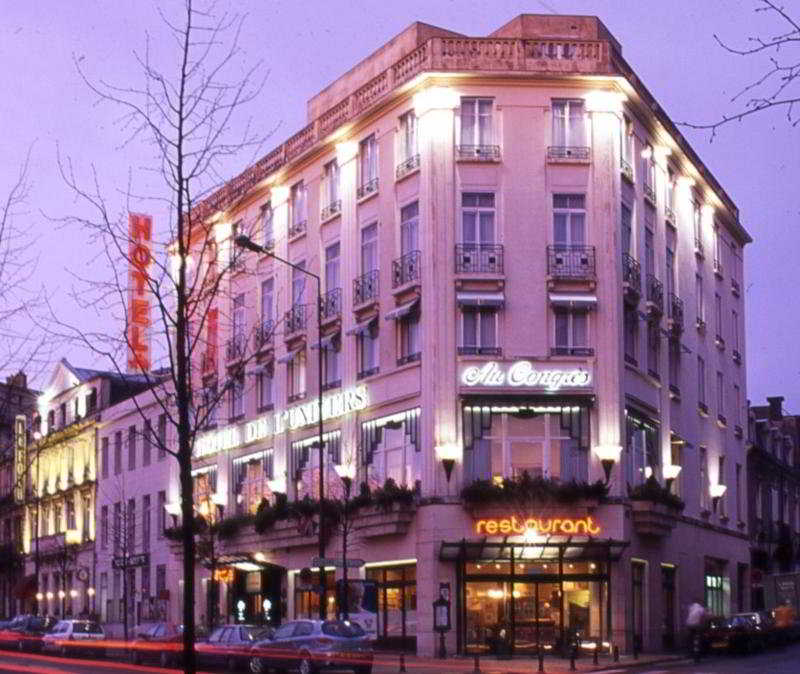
[51,421]
[91,401]
[62,415]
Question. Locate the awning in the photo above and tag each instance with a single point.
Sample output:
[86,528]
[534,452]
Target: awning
[473,299]
[289,357]
[326,342]
[25,587]
[586,549]
[402,310]
[573,301]
[363,327]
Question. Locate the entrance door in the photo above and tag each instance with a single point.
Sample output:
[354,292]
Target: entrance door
[637,600]
[537,616]
[668,602]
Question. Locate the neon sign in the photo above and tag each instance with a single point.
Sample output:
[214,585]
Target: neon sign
[538,525]
[140,231]
[333,406]
[523,374]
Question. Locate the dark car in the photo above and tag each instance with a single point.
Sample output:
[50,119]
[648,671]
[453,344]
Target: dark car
[25,632]
[229,646]
[161,643]
[309,646]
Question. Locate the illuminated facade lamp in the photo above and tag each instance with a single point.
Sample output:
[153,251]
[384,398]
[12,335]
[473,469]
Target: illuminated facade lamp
[716,491]
[671,473]
[447,455]
[39,596]
[686,181]
[278,194]
[605,101]
[662,152]
[608,455]
[345,151]
[90,592]
[49,595]
[435,98]
[61,594]
[277,486]
[73,593]
[647,152]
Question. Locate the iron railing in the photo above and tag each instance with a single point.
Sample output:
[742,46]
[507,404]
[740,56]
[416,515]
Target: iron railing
[235,347]
[572,262]
[571,351]
[568,152]
[669,213]
[334,208]
[264,334]
[406,268]
[655,293]
[480,351]
[675,309]
[631,273]
[332,303]
[698,246]
[626,169]
[479,152]
[407,166]
[649,192]
[369,187]
[297,318]
[297,228]
[366,287]
[479,257]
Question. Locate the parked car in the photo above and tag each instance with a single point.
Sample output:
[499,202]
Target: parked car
[70,637]
[25,632]
[309,646]
[229,646]
[161,643]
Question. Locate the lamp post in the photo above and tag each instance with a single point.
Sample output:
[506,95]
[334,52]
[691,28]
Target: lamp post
[219,501]
[37,436]
[347,472]
[245,242]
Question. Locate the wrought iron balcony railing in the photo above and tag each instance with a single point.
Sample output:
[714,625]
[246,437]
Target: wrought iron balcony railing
[297,318]
[297,228]
[479,152]
[675,315]
[568,152]
[235,347]
[264,334]
[366,287]
[479,257]
[571,351]
[480,351]
[649,193]
[332,303]
[698,246]
[407,166]
[406,268]
[571,262]
[669,214]
[735,287]
[369,187]
[626,169]
[655,294]
[718,266]
[631,273]
[334,208]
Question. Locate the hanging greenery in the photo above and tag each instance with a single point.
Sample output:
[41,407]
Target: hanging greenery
[537,489]
[651,490]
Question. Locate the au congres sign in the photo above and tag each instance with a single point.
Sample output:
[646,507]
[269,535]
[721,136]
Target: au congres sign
[299,416]
[523,374]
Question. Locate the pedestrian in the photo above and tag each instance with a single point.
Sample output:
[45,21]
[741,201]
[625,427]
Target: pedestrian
[695,622]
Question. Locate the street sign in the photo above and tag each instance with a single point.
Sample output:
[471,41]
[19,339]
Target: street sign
[142,559]
[316,562]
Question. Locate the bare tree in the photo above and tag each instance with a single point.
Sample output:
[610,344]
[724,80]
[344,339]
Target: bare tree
[187,114]
[777,86]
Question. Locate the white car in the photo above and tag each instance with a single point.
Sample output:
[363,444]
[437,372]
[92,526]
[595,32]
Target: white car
[68,637]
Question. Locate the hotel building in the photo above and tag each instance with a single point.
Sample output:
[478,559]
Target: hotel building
[529,279]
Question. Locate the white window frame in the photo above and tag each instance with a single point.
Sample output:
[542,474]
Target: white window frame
[299,203]
[573,320]
[369,248]
[369,356]
[268,225]
[330,183]
[574,128]
[266,389]
[409,135]
[481,343]
[482,132]
[409,463]
[368,160]
[331,366]
[333,266]
[296,381]
[479,211]
[409,228]
[574,219]
[237,397]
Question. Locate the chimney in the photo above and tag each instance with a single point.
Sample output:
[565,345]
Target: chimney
[20,380]
[775,407]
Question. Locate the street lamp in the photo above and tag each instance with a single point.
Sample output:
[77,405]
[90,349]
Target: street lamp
[347,473]
[244,241]
[608,455]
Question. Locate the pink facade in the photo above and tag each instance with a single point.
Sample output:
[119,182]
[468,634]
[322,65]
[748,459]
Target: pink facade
[526,270]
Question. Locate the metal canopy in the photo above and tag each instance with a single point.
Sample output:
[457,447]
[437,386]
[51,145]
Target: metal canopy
[402,310]
[289,356]
[233,558]
[326,342]
[573,301]
[477,299]
[551,549]
[363,327]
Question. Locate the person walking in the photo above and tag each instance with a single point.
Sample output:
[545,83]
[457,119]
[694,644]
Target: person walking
[695,622]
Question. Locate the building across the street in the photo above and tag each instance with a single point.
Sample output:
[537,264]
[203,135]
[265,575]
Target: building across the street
[773,474]
[530,288]
[17,407]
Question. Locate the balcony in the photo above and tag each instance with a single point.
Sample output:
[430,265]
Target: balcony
[654,520]
[735,287]
[669,214]
[674,392]
[480,351]
[717,267]
[626,170]
[559,152]
[235,348]
[631,278]
[738,432]
[737,357]
[722,420]
[571,351]
[649,193]
[702,408]
[571,262]
[700,324]
[297,318]
[482,258]
[363,374]
[332,304]
[719,341]
[406,269]
[297,228]
[366,288]
[367,189]
[655,295]
[264,334]
[698,247]
[406,167]
[675,315]
[478,152]
[410,358]
[332,209]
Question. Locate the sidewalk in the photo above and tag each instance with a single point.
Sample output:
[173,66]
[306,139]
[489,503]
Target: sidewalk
[389,663]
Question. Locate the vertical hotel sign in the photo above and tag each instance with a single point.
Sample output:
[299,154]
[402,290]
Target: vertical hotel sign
[20,456]
[140,230]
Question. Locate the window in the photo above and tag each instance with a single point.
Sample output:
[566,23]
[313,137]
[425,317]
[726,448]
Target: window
[332,262]
[569,127]
[250,478]
[670,195]
[735,330]
[571,333]
[330,186]
[722,503]
[267,301]
[237,396]
[626,147]
[720,393]
[627,229]
[477,219]
[296,376]
[146,522]
[649,251]
[675,364]
[718,316]
[631,335]
[704,484]
[298,282]
[145,586]
[718,241]
[104,457]
[697,226]
[369,248]
[161,513]
[132,448]
[368,164]
[701,381]
[394,456]
[410,341]
[738,486]
[265,380]
[649,172]
[409,146]
[737,402]
[62,414]
[676,459]
[118,453]
[235,252]
[476,123]
[670,266]
[332,377]
[653,349]
[478,330]
[409,228]
[104,527]
[238,342]
[162,436]
[368,354]
[569,219]
[117,527]
[644,454]
[161,579]
[268,226]
[734,268]
[147,436]
[699,298]
[297,201]
[130,525]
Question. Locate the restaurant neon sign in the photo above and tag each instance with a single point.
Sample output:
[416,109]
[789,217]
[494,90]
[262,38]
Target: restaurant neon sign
[522,373]
[538,525]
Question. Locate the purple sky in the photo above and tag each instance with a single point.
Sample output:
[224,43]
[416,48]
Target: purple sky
[307,45]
